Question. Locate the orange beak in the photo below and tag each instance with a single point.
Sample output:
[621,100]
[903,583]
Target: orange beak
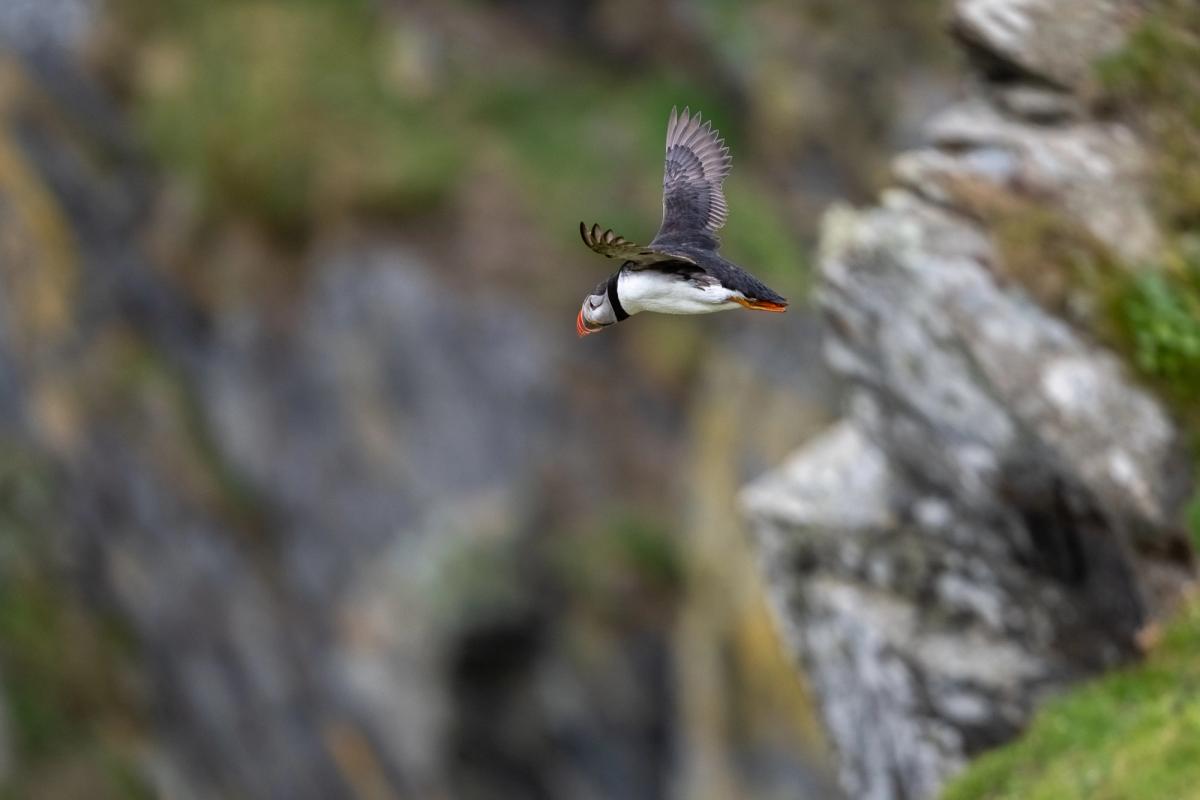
[580,326]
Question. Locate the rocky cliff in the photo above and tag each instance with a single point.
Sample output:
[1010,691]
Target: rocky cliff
[306,495]
[306,489]
[996,514]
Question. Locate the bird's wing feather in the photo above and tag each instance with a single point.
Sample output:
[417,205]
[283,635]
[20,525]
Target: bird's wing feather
[697,162]
[607,243]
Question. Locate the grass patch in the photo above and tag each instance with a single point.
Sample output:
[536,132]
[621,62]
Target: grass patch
[1133,735]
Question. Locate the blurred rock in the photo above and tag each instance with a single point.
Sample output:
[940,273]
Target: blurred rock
[276,496]
[31,25]
[1030,145]
[1057,42]
[384,401]
[997,514]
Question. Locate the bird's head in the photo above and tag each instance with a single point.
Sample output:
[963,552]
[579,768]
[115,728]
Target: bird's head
[596,313]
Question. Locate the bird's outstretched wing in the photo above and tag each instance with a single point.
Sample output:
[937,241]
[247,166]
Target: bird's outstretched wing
[697,162]
[607,243]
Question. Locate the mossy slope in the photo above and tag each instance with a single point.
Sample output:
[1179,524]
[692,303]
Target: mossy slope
[1133,735]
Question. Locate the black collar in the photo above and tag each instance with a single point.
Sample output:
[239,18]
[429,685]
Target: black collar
[615,301]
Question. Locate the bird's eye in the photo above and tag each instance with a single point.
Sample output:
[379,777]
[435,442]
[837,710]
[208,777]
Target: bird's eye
[593,302]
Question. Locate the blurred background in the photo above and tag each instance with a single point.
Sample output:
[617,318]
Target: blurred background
[307,487]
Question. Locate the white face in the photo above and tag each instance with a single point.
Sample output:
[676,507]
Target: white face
[595,314]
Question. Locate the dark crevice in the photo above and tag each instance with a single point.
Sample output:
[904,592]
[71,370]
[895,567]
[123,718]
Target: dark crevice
[997,68]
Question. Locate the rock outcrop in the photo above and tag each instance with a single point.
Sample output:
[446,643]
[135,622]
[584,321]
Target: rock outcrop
[995,516]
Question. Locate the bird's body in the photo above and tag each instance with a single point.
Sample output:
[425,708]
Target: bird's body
[665,293]
[680,271]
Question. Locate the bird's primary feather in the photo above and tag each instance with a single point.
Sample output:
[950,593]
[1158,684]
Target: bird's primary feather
[607,243]
[697,162]
[694,207]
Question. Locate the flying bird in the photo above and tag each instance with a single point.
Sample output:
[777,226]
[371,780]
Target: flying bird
[680,271]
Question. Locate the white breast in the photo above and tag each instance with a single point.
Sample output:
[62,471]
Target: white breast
[647,290]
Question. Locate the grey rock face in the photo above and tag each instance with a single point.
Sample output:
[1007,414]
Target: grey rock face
[995,516]
[1034,142]
[28,25]
[1053,41]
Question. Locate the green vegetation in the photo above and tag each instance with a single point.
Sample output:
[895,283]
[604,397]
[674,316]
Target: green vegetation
[1156,80]
[1160,315]
[283,110]
[629,556]
[639,546]
[67,705]
[293,113]
[1193,520]
[1133,735]
[1154,319]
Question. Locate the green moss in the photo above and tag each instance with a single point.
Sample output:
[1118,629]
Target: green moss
[1134,735]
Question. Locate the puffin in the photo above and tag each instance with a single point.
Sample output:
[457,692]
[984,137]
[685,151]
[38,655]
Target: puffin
[680,271]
